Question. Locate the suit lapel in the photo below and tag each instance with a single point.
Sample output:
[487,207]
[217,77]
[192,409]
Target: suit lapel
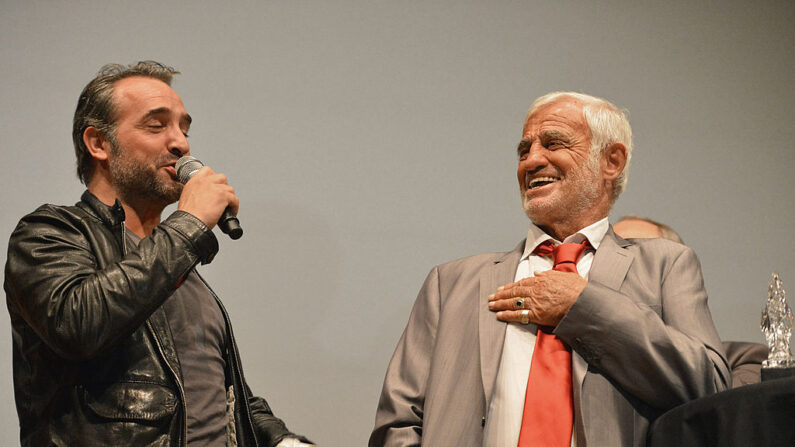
[611,261]
[491,331]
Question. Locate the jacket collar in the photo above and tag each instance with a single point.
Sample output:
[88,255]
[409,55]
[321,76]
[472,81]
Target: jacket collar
[492,331]
[110,215]
[611,261]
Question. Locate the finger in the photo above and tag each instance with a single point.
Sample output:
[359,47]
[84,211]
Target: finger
[501,294]
[515,316]
[500,289]
[513,292]
[204,171]
[234,203]
[518,303]
[225,195]
[510,285]
[215,178]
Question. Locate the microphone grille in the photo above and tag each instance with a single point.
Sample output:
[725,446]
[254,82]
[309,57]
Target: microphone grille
[186,166]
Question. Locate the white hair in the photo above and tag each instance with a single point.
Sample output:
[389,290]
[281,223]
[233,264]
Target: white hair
[608,124]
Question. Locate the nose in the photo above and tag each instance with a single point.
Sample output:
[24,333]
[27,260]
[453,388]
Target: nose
[179,152]
[179,145]
[534,159]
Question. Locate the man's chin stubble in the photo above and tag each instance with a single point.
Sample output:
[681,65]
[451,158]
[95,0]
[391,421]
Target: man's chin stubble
[535,212]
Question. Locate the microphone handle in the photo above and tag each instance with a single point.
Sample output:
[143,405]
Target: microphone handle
[229,224]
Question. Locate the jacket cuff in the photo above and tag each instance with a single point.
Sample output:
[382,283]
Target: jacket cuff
[200,236]
[578,321]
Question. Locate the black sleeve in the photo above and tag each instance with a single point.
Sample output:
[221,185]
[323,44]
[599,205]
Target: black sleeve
[75,301]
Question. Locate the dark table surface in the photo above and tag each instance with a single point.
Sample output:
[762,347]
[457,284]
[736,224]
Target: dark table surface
[761,414]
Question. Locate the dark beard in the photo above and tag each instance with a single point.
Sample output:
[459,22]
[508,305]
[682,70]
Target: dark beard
[136,182]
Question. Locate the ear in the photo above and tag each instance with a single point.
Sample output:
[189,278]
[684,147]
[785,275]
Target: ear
[98,146]
[613,160]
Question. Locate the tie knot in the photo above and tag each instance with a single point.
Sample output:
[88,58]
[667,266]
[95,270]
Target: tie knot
[564,256]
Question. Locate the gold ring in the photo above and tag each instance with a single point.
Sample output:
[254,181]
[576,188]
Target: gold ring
[520,303]
[525,317]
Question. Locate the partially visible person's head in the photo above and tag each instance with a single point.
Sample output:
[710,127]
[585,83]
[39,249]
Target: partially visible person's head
[97,106]
[631,226]
[573,159]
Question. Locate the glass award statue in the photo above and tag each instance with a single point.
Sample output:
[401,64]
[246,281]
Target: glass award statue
[777,324]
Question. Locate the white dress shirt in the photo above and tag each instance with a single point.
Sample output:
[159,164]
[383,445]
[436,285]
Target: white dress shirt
[504,420]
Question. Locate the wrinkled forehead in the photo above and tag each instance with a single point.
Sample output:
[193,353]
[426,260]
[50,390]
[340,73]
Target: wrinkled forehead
[564,112]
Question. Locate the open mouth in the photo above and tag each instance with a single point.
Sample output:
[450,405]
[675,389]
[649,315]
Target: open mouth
[540,181]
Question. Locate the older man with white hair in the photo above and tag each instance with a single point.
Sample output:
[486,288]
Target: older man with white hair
[576,337]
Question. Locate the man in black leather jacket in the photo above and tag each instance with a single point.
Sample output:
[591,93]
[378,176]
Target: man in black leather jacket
[93,290]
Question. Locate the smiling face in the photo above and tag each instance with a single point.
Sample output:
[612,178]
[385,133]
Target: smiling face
[151,134]
[560,183]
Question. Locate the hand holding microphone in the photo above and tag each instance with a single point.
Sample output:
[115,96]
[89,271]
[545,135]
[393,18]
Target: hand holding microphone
[208,196]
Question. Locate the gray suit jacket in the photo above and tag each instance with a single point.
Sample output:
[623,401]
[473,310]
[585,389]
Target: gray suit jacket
[642,324]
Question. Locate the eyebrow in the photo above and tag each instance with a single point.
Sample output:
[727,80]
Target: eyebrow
[161,110]
[545,135]
[553,135]
[523,146]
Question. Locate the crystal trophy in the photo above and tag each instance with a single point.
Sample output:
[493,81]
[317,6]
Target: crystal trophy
[777,324]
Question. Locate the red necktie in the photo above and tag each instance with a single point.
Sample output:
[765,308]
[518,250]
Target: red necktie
[548,409]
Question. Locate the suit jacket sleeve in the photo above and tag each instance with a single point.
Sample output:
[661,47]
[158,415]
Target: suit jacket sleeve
[398,421]
[658,344]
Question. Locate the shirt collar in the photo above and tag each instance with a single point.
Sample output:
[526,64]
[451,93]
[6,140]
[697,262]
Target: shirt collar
[594,233]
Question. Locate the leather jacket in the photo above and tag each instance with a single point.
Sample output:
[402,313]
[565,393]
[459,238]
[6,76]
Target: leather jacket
[94,359]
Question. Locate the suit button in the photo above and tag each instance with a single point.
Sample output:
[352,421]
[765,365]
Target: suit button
[482,422]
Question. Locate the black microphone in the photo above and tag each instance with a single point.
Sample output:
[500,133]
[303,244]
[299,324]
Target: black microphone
[187,166]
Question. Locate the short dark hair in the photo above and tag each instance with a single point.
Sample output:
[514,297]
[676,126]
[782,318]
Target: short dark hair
[96,107]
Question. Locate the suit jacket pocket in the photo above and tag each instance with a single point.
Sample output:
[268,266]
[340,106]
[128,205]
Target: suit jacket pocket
[130,401]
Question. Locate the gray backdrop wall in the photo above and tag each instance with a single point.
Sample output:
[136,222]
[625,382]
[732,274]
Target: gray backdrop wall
[369,141]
